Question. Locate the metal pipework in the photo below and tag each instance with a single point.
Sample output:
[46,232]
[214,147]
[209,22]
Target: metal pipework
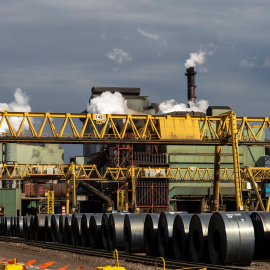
[116,232]
[231,238]
[55,227]
[198,234]
[261,221]
[151,234]
[165,233]
[133,232]
[95,231]
[85,223]
[190,73]
[180,236]
[76,229]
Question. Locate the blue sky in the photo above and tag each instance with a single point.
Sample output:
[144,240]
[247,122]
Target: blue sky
[56,51]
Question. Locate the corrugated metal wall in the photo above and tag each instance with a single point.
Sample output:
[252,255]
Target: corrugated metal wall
[10,200]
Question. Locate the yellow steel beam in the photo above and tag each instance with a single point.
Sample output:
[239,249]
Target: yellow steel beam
[67,128]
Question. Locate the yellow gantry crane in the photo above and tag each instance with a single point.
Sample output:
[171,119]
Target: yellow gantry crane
[220,130]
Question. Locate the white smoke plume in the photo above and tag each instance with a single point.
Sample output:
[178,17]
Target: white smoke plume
[172,106]
[197,58]
[20,104]
[108,103]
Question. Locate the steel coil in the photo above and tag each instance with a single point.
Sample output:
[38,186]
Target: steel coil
[231,238]
[151,234]
[55,227]
[76,229]
[27,227]
[261,224]
[67,229]
[133,232]
[20,231]
[105,230]
[116,231]
[85,223]
[48,228]
[7,226]
[198,234]
[1,225]
[13,226]
[180,236]
[165,233]
[95,231]
[39,227]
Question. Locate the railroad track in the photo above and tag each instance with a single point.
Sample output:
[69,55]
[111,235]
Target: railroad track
[134,258]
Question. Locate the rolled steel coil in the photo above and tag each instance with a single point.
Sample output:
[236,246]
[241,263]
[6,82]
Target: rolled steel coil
[76,229]
[116,231]
[62,219]
[95,231]
[27,227]
[12,226]
[67,229]
[261,224]
[1,225]
[198,235]
[48,228]
[7,226]
[105,230]
[85,223]
[151,234]
[180,236]
[55,227]
[165,233]
[39,227]
[133,233]
[231,238]
[20,231]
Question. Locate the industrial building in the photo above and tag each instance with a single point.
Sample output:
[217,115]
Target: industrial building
[151,191]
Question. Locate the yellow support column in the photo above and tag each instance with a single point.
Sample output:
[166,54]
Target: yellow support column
[67,196]
[236,164]
[126,195]
[74,188]
[216,178]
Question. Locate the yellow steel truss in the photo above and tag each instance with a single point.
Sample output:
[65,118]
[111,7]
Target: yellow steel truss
[67,128]
[50,202]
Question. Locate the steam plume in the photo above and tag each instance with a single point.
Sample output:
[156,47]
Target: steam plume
[172,106]
[108,103]
[196,58]
[20,104]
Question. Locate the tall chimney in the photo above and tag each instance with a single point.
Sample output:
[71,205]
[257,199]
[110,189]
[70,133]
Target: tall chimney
[190,73]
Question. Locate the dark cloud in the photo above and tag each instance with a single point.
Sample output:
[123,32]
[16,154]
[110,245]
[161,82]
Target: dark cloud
[57,50]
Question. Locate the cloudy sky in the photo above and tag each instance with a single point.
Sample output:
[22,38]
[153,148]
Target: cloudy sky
[57,50]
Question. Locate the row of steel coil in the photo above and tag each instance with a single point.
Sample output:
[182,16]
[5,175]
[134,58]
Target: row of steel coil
[222,238]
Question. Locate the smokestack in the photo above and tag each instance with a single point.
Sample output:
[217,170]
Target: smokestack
[190,73]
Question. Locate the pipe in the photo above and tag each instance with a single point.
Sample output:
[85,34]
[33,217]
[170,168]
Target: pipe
[95,231]
[198,234]
[165,231]
[261,221]
[180,236]
[99,194]
[231,239]
[85,223]
[133,233]
[150,234]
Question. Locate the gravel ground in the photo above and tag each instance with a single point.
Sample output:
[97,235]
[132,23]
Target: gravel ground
[24,253]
